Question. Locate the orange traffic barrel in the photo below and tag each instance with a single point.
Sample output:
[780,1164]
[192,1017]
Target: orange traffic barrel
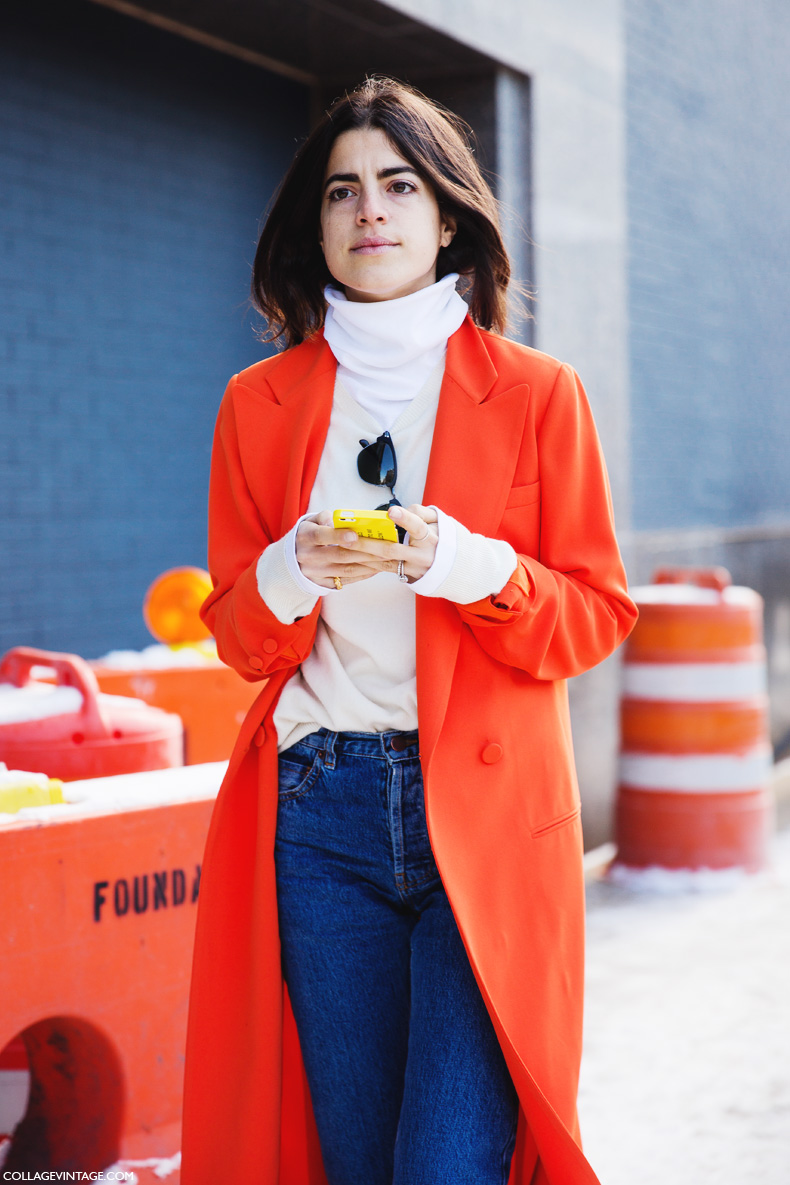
[70,730]
[694,788]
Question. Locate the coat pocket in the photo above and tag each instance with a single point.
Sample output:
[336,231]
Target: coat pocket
[555,824]
[523,495]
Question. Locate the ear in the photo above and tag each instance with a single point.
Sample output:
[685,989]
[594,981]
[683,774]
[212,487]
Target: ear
[449,227]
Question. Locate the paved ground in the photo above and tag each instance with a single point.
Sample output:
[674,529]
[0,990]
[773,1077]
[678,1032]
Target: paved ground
[686,1070]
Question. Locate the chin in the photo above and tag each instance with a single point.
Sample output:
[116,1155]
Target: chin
[379,288]
[374,291]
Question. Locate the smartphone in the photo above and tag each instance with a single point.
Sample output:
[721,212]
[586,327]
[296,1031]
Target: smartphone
[370,524]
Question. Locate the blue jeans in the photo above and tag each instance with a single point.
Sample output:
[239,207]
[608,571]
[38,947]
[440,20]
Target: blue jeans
[408,1082]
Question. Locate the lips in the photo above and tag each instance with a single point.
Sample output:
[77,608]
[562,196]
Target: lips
[369,246]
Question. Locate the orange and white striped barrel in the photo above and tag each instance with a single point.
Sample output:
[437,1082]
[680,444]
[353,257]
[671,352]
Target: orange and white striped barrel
[694,789]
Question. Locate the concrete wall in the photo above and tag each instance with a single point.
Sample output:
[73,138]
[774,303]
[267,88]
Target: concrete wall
[135,169]
[709,214]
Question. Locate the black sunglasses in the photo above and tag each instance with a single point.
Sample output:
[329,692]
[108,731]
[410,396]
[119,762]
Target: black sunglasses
[378,465]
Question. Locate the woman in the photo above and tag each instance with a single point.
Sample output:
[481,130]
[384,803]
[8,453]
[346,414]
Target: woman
[397,839]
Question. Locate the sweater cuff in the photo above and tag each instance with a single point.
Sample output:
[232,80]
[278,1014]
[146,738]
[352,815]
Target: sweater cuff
[281,584]
[481,567]
[443,559]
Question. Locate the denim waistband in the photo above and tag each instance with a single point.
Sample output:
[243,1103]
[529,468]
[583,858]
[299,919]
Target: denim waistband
[391,745]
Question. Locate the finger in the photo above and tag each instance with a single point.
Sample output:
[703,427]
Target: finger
[349,574]
[324,535]
[326,559]
[415,525]
[426,513]
[380,548]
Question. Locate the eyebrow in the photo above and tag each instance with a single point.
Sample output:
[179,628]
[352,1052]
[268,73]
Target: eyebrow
[381,175]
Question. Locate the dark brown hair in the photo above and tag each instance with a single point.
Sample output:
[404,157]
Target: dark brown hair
[289,274]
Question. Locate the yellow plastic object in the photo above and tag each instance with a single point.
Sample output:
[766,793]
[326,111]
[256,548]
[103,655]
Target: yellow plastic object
[370,524]
[18,789]
[172,604]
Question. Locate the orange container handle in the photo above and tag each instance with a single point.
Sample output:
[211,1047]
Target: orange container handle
[70,671]
[715,578]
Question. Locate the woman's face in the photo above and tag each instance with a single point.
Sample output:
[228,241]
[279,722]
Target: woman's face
[381,229]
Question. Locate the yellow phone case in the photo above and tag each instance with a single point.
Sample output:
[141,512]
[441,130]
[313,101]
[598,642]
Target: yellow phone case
[370,524]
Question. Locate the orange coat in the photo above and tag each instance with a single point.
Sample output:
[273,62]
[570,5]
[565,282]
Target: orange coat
[515,455]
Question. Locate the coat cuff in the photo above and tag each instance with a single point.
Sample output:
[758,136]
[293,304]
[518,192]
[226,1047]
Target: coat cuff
[443,559]
[510,602]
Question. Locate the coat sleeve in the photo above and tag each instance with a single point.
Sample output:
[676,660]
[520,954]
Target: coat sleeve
[249,636]
[567,608]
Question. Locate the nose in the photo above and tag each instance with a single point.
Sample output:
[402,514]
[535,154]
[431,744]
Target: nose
[370,208]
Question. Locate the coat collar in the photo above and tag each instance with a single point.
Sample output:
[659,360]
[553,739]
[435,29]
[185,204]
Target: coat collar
[468,367]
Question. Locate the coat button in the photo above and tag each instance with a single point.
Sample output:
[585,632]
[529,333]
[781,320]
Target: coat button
[492,753]
[260,736]
[270,645]
[255,662]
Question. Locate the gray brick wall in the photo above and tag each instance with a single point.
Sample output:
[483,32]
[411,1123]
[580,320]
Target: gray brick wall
[135,167]
[709,211]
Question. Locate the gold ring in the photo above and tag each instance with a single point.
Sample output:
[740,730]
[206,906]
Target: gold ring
[338,582]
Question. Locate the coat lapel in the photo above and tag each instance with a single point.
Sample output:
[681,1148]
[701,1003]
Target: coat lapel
[475,447]
[282,437]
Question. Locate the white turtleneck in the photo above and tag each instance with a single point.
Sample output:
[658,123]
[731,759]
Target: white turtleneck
[386,349]
[360,675]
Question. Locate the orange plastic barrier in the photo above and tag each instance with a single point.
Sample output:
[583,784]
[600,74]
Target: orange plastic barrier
[212,701]
[97,924]
[96,739]
[695,761]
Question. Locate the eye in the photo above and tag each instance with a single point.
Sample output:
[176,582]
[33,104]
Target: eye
[403,187]
[339,194]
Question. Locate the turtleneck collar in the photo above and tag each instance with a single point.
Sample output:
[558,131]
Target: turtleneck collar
[387,349]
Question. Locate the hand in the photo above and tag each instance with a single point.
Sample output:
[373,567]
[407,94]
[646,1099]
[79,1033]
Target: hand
[324,551]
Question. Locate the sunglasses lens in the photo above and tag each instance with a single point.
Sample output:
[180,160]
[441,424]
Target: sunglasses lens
[387,468]
[376,463]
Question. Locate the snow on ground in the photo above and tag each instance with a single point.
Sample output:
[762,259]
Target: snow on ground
[126,792]
[154,1168]
[160,657]
[686,1068]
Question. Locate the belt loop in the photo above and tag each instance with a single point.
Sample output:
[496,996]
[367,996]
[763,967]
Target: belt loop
[329,750]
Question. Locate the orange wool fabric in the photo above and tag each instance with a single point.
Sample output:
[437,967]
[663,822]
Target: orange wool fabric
[515,455]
